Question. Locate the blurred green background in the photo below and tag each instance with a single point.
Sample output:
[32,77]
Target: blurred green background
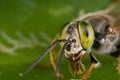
[44,19]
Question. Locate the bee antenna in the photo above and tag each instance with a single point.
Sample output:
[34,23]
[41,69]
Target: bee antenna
[60,58]
[41,56]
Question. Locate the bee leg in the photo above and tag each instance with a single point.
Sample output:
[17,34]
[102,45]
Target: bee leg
[59,75]
[51,57]
[82,65]
[42,65]
[117,55]
[93,63]
[111,6]
[118,67]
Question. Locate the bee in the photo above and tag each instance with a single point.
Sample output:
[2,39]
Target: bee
[98,31]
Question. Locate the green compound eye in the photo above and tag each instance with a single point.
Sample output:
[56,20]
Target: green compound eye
[86,33]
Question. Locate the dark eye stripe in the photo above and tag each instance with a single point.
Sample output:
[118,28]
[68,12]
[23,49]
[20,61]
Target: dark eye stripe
[87,33]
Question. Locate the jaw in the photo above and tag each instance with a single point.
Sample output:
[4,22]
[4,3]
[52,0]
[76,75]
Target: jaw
[76,63]
[76,56]
[76,67]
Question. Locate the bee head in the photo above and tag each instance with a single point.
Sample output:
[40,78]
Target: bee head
[80,36]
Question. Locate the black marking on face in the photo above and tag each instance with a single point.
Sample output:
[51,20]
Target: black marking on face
[68,48]
[72,27]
